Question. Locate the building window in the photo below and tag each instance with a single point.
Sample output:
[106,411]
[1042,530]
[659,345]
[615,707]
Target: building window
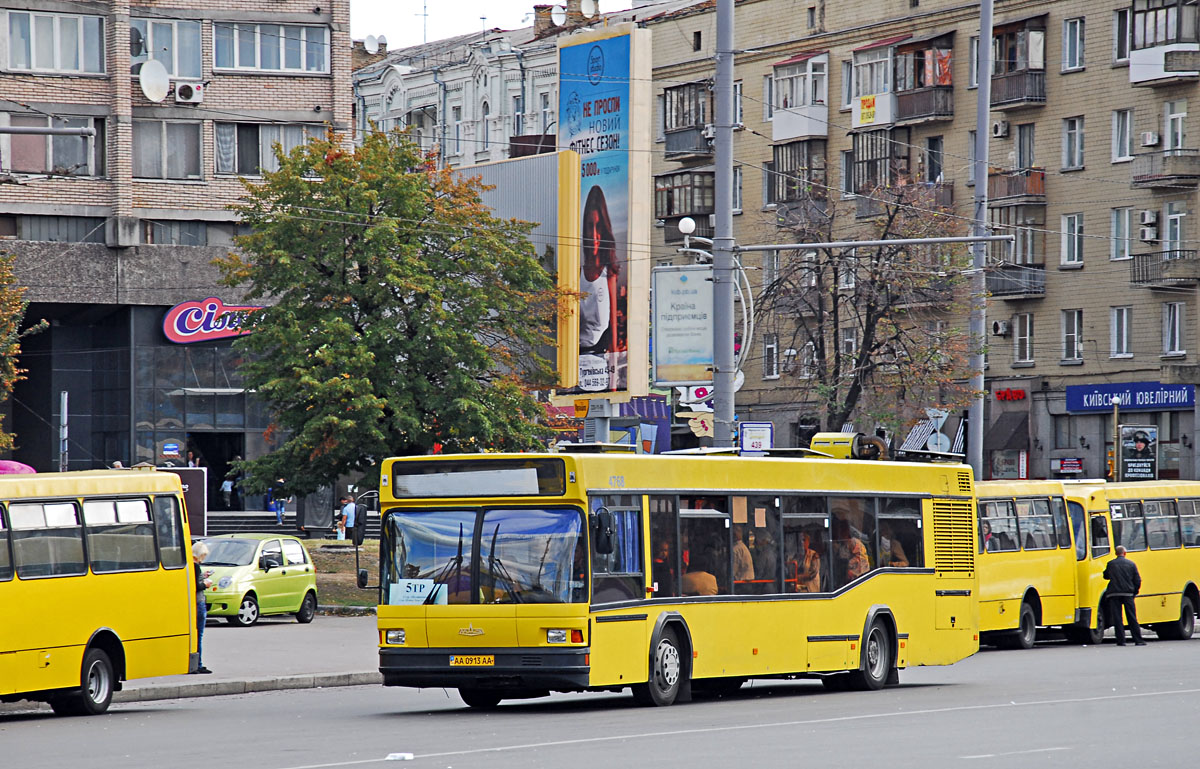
[166,150]
[696,40]
[1072,44]
[871,72]
[933,159]
[1072,328]
[971,155]
[485,113]
[809,269]
[847,85]
[768,97]
[849,342]
[737,189]
[1073,142]
[1122,135]
[768,184]
[1062,431]
[1121,35]
[1120,345]
[847,270]
[1023,338]
[687,106]
[1018,48]
[456,118]
[770,356]
[247,149]
[270,47]
[738,115]
[770,268]
[1163,22]
[54,229]
[799,171]
[1025,146]
[1023,223]
[175,233]
[1175,124]
[176,44]
[812,17]
[1121,242]
[547,112]
[518,118]
[801,85]
[973,62]
[1173,227]
[808,361]
[1173,329]
[61,155]
[847,171]
[880,157]
[1072,239]
[683,194]
[55,42]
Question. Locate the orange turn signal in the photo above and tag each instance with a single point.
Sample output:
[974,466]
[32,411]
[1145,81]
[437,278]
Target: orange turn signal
[576,636]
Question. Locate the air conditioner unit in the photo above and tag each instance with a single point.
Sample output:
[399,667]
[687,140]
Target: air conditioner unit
[1000,129]
[999,328]
[1149,138]
[709,132]
[1149,216]
[1148,233]
[189,93]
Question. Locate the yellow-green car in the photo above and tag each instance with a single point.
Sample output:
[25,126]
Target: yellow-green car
[259,575]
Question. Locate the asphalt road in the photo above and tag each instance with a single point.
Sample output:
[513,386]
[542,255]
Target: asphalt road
[1057,705]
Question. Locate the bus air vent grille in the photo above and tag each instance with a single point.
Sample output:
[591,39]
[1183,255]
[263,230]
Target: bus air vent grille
[964,484]
[953,535]
[531,661]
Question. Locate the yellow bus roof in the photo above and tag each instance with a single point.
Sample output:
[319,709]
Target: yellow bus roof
[33,485]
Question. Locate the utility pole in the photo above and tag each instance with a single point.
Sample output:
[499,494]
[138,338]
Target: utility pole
[978,318]
[723,256]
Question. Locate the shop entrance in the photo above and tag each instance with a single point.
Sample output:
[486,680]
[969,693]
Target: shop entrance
[216,451]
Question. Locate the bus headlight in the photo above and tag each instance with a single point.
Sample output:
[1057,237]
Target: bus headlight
[394,636]
[556,636]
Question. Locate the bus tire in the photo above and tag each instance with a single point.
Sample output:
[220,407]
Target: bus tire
[1026,633]
[666,673]
[838,682]
[95,688]
[717,687]
[1095,634]
[872,673]
[1182,628]
[480,699]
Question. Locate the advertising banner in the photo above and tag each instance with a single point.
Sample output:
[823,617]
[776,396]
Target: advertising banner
[1132,396]
[1139,453]
[604,115]
[681,322]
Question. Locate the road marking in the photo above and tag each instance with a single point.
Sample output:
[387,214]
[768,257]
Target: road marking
[773,725]
[1017,752]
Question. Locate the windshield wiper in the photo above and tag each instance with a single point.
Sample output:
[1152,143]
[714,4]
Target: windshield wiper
[455,561]
[496,566]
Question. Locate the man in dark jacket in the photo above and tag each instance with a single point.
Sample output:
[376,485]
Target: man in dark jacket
[1124,582]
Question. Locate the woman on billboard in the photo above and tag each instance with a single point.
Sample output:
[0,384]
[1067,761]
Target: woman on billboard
[600,267]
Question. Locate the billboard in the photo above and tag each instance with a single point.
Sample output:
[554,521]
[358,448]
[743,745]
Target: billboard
[1139,453]
[605,115]
[681,313]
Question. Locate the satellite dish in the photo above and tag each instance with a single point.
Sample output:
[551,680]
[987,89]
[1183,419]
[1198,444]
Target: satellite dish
[588,8]
[371,44]
[558,15]
[137,44]
[154,80]
[382,43]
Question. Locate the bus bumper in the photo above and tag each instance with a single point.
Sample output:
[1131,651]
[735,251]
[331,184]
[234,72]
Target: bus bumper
[515,669]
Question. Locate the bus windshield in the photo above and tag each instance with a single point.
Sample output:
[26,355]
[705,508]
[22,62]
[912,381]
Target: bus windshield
[491,555]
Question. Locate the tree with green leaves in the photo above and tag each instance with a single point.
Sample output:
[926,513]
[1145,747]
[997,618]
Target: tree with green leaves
[12,313]
[400,313]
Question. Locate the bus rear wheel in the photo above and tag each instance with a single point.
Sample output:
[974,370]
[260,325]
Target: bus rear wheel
[666,673]
[876,662]
[1026,632]
[480,699]
[95,690]
[1182,628]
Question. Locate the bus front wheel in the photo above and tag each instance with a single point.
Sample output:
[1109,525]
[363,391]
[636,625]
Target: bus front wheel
[95,690]
[666,673]
[876,662]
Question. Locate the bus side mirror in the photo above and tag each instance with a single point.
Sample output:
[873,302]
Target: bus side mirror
[362,579]
[602,531]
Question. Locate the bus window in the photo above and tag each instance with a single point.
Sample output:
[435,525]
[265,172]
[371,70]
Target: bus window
[1078,525]
[1100,544]
[1035,524]
[706,533]
[1002,519]
[1162,525]
[120,536]
[1129,527]
[664,547]
[805,564]
[900,541]
[762,545]
[853,522]
[1062,530]
[170,531]
[617,576]
[47,539]
[1189,522]
[6,567]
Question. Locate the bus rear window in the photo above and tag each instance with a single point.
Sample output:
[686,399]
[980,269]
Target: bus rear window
[479,478]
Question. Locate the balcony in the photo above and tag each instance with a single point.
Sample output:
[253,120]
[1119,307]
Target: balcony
[874,111]
[1023,88]
[1017,281]
[1163,65]
[810,121]
[919,195]
[686,143]
[1026,186]
[922,105]
[1165,269]
[1168,168]
[803,213]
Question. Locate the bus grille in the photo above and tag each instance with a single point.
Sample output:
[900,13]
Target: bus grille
[953,535]
[964,484]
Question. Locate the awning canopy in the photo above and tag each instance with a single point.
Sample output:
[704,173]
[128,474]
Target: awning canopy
[1002,23]
[1010,432]
[798,58]
[915,41]
[882,43]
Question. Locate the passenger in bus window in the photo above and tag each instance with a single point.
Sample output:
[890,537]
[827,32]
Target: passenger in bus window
[850,551]
[743,564]
[766,556]
[891,552]
[988,540]
[699,580]
[808,566]
[663,569]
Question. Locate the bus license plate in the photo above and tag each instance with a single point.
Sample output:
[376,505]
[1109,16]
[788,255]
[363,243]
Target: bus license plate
[472,660]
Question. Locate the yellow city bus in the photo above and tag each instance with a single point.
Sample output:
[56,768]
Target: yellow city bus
[1044,546]
[96,585]
[514,575]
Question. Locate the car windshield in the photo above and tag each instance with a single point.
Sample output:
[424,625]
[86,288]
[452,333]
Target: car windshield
[230,552]
[497,555]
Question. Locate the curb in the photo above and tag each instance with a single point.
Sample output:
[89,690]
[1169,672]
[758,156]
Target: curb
[222,688]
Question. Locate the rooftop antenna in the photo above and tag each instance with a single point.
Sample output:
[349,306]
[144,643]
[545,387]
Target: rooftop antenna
[558,15]
[424,21]
[371,44]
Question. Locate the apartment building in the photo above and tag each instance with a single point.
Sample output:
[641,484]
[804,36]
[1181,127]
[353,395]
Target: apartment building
[112,230]
[1093,166]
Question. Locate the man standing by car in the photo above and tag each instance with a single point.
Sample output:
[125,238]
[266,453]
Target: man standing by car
[1124,582]
[347,520]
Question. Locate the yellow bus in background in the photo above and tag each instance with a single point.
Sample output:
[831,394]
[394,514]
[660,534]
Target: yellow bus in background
[1044,545]
[97,585]
[514,575]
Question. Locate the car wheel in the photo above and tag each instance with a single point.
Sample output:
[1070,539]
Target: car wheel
[95,688]
[480,699]
[247,613]
[666,673]
[308,609]
[877,660]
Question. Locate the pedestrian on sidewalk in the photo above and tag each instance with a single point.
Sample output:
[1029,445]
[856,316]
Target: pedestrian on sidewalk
[199,553]
[345,516]
[1124,582]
